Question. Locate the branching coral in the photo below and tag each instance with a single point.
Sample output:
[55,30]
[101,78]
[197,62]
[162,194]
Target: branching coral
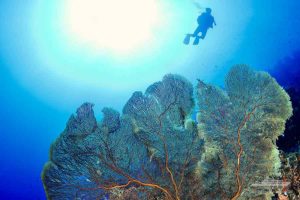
[242,123]
[148,146]
[291,172]
[154,150]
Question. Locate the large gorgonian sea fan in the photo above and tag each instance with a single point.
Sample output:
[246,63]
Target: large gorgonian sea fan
[154,150]
[150,145]
[240,126]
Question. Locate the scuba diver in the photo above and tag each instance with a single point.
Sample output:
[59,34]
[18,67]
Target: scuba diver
[205,21]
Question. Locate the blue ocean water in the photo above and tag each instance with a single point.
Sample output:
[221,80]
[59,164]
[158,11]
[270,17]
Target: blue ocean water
[30,120]
[27,129]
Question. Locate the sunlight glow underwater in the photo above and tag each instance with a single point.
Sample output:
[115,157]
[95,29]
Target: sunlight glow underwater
[106,46]
[89,42]
[116,26]
[102,51]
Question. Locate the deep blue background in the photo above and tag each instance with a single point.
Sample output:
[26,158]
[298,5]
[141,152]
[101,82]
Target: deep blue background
[26,129]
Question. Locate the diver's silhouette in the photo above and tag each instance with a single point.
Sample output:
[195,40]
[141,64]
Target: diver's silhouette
[205,21]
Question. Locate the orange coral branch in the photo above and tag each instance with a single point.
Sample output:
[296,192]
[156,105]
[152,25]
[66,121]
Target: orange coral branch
[239,155]
[115,186]
[170,173]
[132,180]
[177,197]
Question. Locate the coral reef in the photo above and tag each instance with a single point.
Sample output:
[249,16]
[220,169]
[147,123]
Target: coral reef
[155,150]
[147,146]
[291,172]
[241,125]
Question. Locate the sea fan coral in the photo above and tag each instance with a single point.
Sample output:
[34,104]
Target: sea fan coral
[155,150]
[147,146]
[241,125]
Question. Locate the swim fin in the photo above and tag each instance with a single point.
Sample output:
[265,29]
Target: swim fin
[187,39]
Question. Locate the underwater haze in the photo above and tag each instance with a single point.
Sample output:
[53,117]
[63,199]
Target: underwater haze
[57,55]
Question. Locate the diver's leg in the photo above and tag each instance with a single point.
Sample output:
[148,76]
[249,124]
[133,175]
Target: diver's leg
[203,34]
[197,31]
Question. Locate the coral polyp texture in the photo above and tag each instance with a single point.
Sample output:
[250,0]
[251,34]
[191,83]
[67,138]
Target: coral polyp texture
[156,150]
